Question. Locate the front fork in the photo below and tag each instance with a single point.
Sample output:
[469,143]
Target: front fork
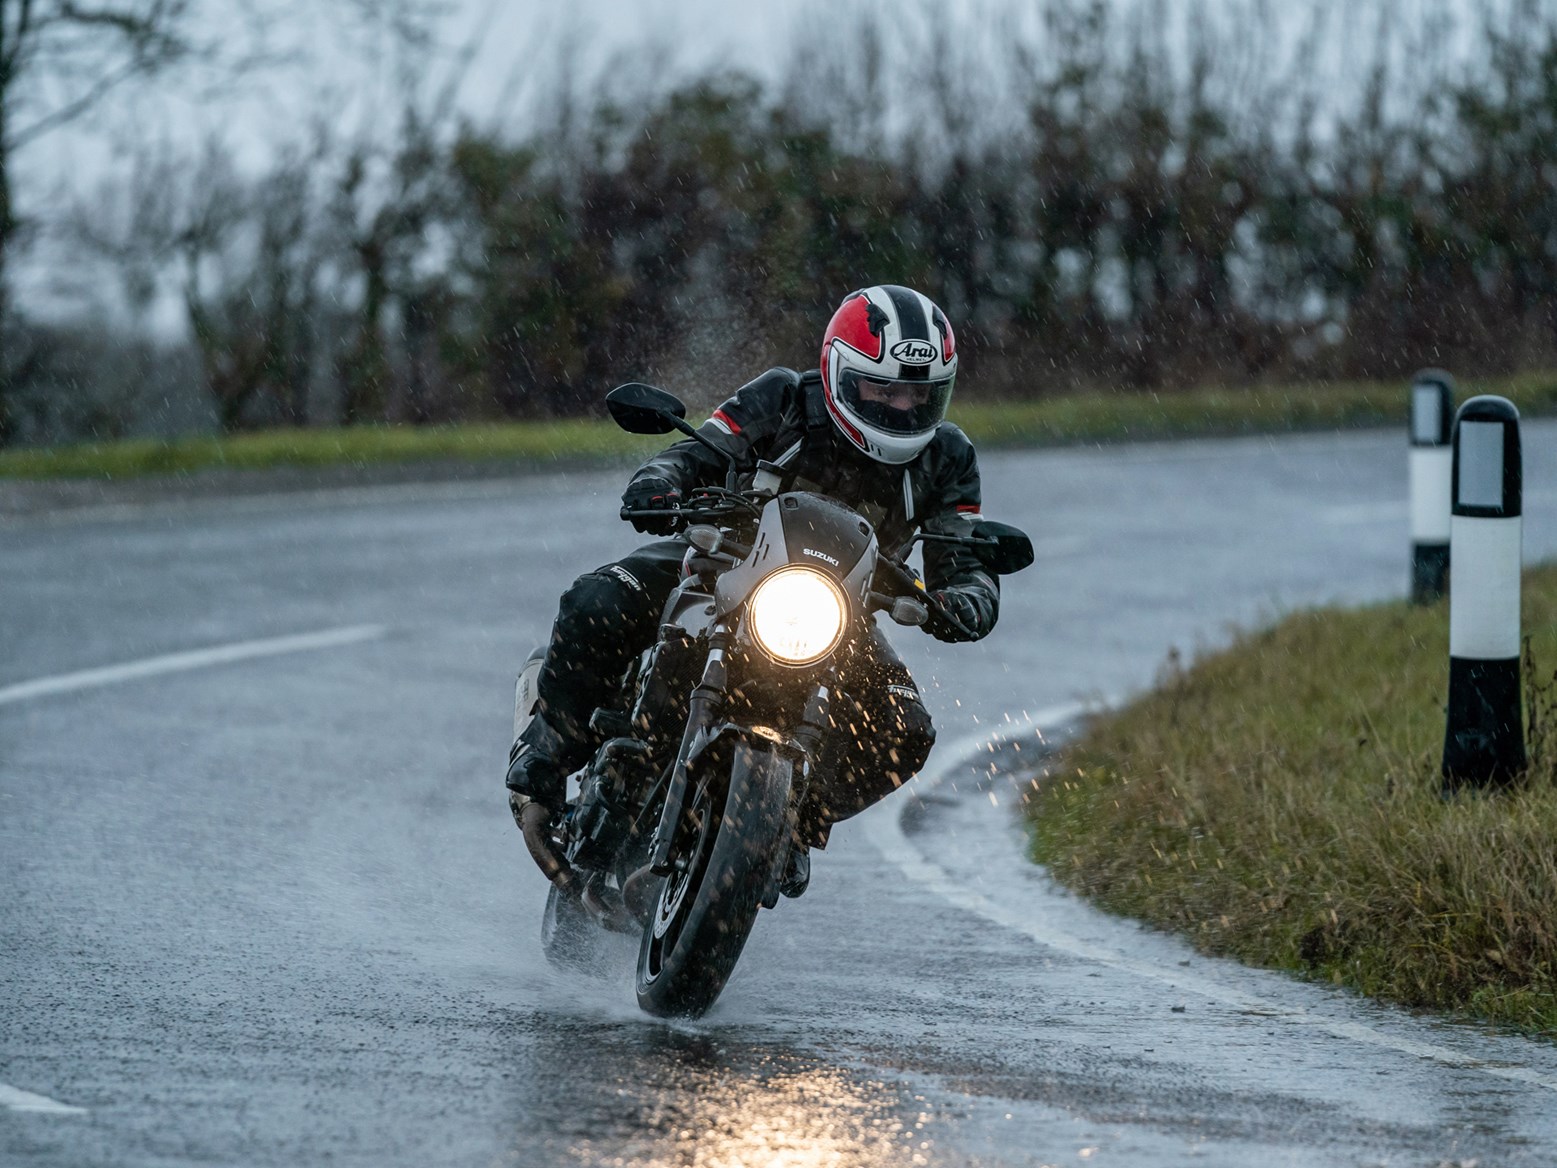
[704,709]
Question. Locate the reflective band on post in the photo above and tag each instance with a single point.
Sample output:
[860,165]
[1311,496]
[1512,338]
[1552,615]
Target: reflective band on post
[1431,464]
[1484,589]
[1432,408]
[1484,735]
[1432,472]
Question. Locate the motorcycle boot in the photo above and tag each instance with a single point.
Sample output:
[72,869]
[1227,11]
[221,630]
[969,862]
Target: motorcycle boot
[539,764]
[797,870]
[796,877]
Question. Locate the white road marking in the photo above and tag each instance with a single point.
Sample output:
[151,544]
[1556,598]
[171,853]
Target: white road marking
[18,1100]
[886,832]
[178,662]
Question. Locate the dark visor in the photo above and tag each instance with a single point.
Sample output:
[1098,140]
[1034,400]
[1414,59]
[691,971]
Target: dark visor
[898,407]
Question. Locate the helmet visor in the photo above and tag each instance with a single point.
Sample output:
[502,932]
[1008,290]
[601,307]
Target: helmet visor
[898,407]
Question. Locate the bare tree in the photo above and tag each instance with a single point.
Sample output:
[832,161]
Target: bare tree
[58,60]
[248,256]
[386,200]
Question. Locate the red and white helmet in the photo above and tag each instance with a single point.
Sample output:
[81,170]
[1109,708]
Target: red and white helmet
[889,362]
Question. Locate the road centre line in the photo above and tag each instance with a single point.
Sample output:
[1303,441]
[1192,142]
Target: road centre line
[19,1100]
[180,662]
[886,832]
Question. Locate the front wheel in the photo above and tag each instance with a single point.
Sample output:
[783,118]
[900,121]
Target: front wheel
[706,908]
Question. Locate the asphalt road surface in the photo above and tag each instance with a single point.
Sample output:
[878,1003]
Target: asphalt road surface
[261,902]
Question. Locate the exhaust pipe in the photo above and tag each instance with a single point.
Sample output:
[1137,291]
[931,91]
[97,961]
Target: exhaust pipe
[534,820]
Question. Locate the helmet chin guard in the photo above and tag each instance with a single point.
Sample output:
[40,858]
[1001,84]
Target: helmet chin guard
[889,364]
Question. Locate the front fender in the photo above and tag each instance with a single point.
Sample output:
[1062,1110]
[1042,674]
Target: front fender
[770,744]
[755,737]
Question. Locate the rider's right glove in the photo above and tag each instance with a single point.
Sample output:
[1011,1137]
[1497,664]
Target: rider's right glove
[652,494]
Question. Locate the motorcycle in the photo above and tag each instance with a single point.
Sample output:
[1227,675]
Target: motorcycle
[684,818]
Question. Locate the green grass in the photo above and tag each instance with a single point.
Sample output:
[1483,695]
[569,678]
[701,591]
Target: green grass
[1112,417]
[1278,802]
[539,444]
[1086,417]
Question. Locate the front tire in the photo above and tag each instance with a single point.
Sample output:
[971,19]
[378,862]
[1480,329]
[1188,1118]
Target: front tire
[705,911]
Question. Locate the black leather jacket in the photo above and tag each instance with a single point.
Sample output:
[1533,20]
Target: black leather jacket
[782,417]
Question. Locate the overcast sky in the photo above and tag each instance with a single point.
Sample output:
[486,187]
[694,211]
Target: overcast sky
[335,66]
[753,35]
[333,63]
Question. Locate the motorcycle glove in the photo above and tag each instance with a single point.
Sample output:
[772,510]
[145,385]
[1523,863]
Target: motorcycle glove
[964,611]
[652,494]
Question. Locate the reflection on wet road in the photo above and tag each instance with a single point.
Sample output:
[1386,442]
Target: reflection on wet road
[678,1099]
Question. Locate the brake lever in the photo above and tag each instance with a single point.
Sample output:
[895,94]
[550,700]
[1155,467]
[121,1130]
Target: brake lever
[973,539]
[943,614]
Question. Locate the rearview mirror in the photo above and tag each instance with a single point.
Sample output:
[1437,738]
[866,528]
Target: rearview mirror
[643,409]
[1001,548]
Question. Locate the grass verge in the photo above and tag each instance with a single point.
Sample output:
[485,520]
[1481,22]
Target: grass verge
[1216,412]
[1277,802]
[541,444]
[1088,417]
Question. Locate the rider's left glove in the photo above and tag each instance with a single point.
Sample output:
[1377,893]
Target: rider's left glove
[652,494]
[965,613]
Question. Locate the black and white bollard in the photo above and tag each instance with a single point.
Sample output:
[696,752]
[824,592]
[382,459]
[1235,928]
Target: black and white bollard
[1484,743]
[1432,419]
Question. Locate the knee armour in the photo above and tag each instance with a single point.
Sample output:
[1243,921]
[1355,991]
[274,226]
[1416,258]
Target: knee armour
[601,605]
[918,737]
[604,619]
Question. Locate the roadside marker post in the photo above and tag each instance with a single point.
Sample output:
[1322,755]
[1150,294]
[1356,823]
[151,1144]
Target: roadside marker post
[1484,741]
[1432,422]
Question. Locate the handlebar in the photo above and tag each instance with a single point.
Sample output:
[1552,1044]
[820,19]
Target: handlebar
[704,503]
[900,580]
[679,518]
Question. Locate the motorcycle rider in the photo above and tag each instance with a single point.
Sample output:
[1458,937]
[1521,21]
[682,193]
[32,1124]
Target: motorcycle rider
[868,429]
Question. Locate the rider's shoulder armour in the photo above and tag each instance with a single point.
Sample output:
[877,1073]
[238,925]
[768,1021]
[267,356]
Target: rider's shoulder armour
[945,476]
[763,406]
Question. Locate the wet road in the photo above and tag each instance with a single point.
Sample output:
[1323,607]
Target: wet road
[266,907]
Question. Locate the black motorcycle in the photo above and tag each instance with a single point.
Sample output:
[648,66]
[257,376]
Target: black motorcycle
[685,816]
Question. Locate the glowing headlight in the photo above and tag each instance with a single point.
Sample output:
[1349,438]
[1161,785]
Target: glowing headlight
[797,615]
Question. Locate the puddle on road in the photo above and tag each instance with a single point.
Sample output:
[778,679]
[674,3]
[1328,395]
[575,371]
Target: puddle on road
[613,1093]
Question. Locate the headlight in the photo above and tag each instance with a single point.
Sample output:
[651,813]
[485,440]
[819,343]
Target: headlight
[797,615]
